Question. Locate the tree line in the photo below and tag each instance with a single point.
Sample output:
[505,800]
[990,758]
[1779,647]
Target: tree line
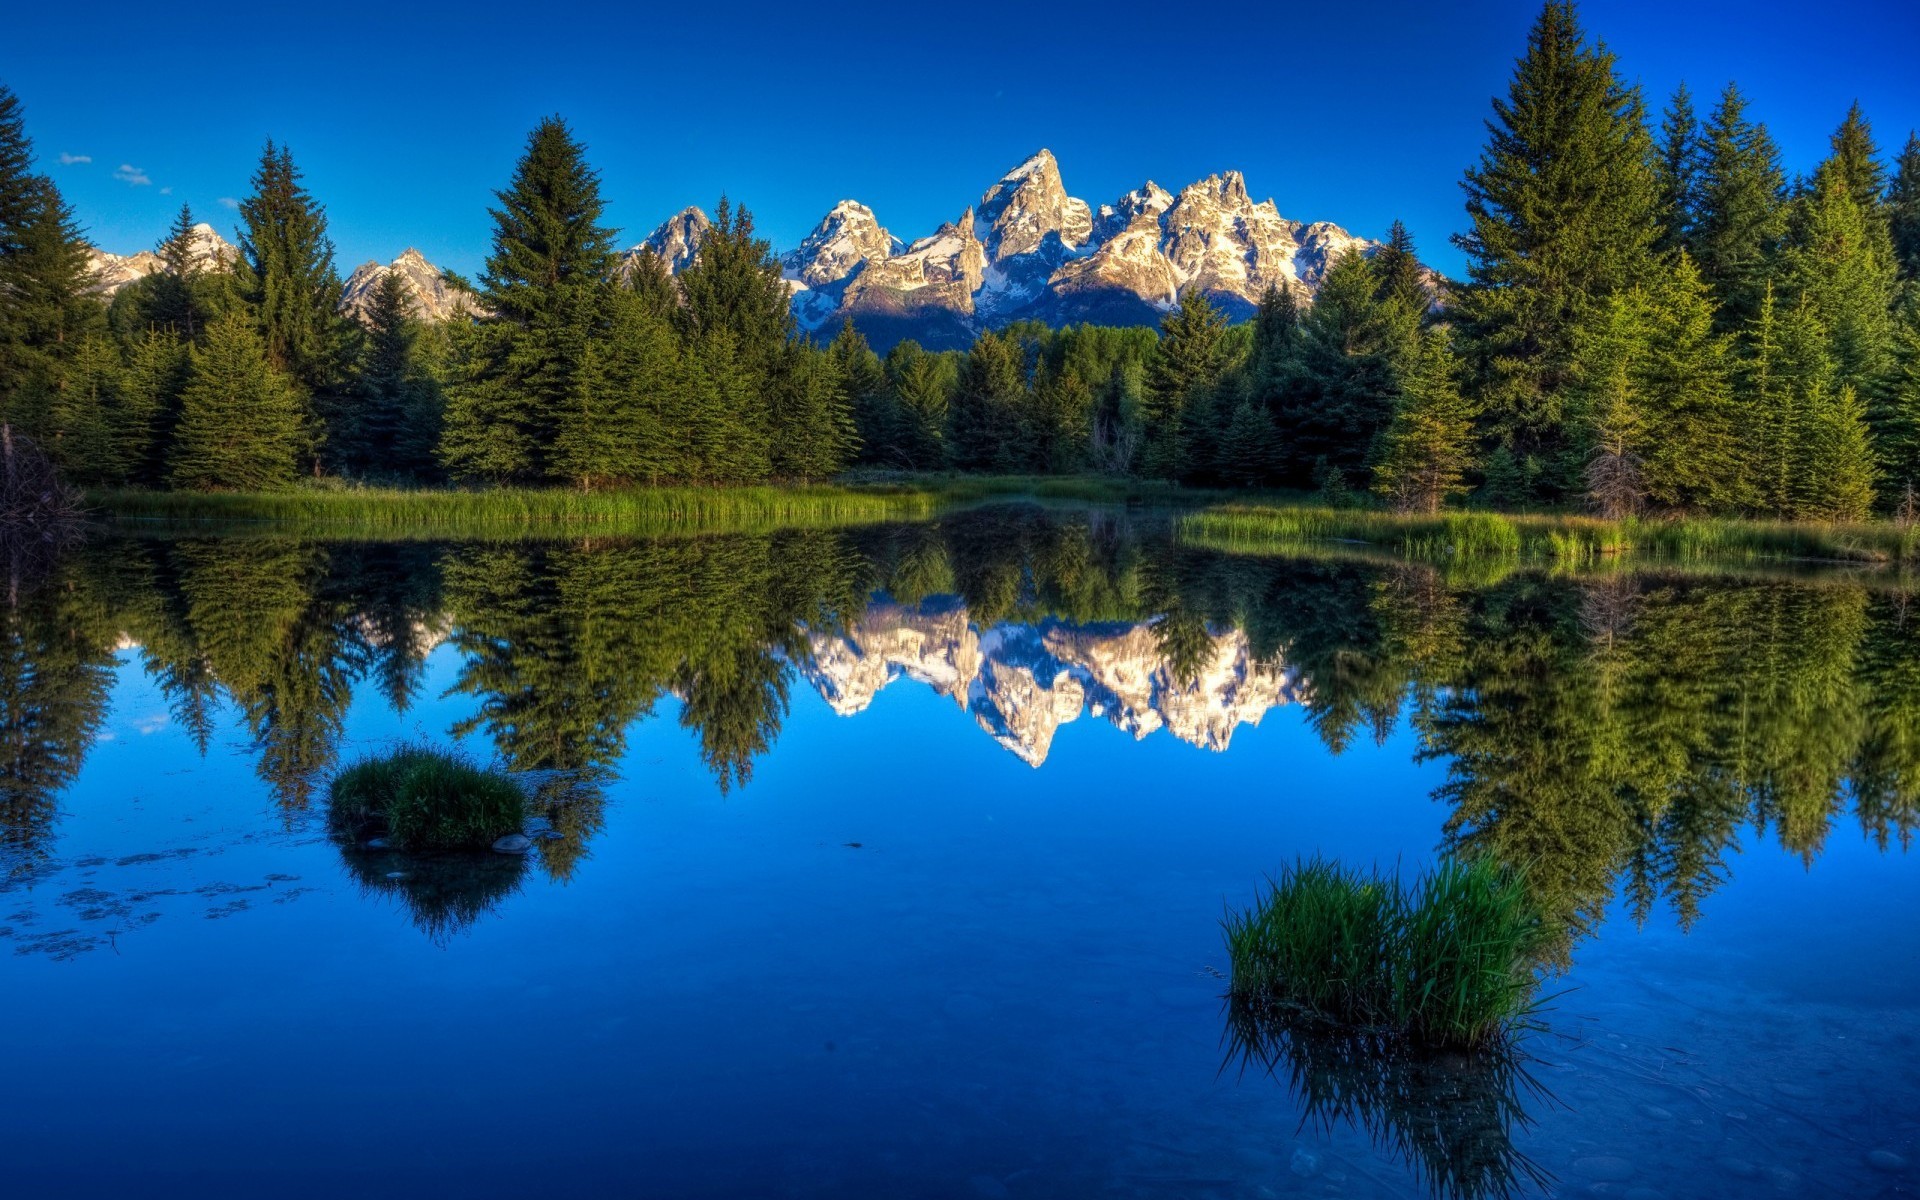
[1653,316]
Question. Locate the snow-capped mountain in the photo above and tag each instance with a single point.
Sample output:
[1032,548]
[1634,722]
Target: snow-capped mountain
[433,299]
[111,272]
[1020,683]
[1029,250]
[676,243]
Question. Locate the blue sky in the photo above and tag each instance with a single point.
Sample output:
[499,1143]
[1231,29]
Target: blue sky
[405,117]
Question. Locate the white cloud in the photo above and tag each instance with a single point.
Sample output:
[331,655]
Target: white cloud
[166,191]
[230,202]
[128,173]
[68,160]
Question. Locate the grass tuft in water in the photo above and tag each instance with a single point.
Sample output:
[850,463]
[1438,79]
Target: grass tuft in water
[1445,963]
[428,799]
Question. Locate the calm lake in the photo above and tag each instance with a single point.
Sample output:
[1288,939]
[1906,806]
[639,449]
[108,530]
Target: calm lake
[892,861]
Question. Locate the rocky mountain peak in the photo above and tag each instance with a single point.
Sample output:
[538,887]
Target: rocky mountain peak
[432,298]
[677,241]
[848,236]
[111,272]
[1028,203]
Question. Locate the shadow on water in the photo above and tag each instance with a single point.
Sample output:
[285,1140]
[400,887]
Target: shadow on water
[1449,1116]
[442,894]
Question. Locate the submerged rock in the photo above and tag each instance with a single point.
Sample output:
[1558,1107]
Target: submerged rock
[513,843]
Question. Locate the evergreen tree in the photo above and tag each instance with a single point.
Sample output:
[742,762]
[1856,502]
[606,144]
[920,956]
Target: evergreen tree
[922,385]
[1679,166]
[813,434]
[1060,421]
[390,424]
[1903,210]
[545,284]
[1768,417]
[1839,263]
[1396,268]
[624,420]
[1565,211]
[1855,159]
[1695,458]
[1741,212]
[726,410]
[984,412]
[1246,453]
[172,301]
[877,420]
[1611,357]
[150,387]
[45,310]
[287,278]
[1837,470]
[84,414]
[1353,346]
[1428,448]
[1180,384]
[1897,440]
[735,306]
[242,425]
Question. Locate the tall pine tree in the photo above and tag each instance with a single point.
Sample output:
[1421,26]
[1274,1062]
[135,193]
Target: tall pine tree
[1564,208]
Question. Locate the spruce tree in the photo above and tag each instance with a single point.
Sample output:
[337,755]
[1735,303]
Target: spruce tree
[1180,383]
[984,412]
[1837,469]
[1903,210]
[1695,458]
[1428,448]
[545,286]
[1565,211]
[1611,358]
[45,309]
[876,418]
[172,301]
[1855,159]
[1354,345]
[922,385]
[287,278]
[1767,411]
[1838,262]
[1679,167]
[389,422]
[812,419]
[242,424]
[156,372]
[734,303]
[79,434]
[1741,211]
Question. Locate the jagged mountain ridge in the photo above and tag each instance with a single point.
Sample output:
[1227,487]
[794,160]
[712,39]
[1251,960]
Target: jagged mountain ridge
[1027,251]
[1030,250]
[1020,683]
[111,272]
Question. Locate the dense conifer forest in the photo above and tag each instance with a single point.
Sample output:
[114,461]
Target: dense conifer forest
[1653,318]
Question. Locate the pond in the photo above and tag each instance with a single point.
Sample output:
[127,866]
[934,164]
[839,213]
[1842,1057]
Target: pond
[892,861]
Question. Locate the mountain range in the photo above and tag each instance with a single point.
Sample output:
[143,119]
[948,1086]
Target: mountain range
[1026,251]
[1021,682]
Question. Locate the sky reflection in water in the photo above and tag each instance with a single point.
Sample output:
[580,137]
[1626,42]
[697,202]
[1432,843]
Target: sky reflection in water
[893,861]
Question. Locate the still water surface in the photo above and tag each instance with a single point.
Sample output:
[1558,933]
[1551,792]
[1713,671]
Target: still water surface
[891,863]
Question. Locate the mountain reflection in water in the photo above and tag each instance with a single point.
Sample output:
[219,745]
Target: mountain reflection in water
[1617,732]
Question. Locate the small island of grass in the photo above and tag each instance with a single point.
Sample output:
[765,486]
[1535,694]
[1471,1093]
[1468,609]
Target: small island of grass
[421,798]
[1446,963]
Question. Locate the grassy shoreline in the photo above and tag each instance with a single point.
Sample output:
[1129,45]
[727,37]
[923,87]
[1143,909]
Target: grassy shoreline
[1562,540]
[1240,523]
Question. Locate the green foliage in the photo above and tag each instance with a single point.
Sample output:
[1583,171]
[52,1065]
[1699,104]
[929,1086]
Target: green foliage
[1177,403]
[1903,210]
[1428,448]
[983,414]
[1445,963]
[427,799]
[1565,211]
[1741,210]
[242,425]
[287,280]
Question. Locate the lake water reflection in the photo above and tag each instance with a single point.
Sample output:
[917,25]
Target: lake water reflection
[890,861]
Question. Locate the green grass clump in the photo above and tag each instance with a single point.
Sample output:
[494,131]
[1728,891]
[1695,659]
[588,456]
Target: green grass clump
[428,799]
[1447,962]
